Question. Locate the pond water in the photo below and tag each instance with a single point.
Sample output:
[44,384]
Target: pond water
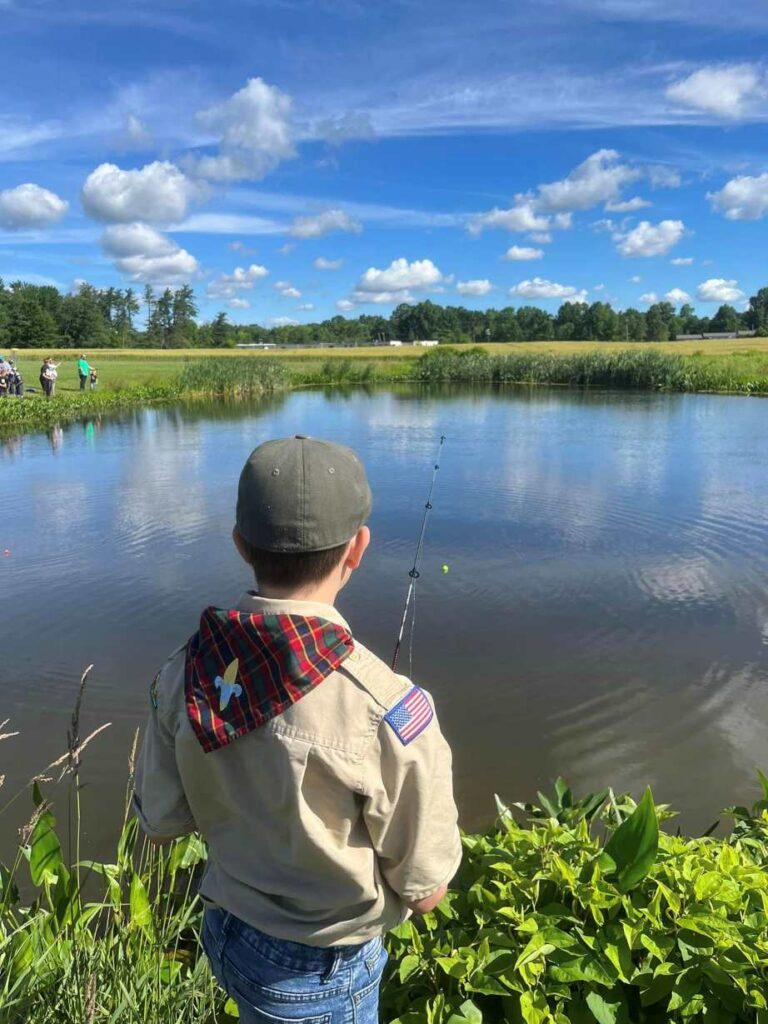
[604,616]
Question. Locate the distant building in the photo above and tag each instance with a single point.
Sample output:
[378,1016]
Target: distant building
[256,344]
[714,336]
[395,343]
[427,344]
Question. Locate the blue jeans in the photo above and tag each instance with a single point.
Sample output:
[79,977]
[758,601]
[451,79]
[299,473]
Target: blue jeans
[275,981]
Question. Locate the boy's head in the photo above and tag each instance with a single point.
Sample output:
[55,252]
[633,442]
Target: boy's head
[302,505]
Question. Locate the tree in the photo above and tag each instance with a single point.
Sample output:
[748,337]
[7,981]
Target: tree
[28,323]
[534,323]
[725,320]
[757,314]
[219,330]
[82,319]
[183,313]
[660,322]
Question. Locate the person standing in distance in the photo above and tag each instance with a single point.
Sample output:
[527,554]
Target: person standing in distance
[83,370]
[319,778]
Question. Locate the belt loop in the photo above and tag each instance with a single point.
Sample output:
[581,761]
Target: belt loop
[334,965]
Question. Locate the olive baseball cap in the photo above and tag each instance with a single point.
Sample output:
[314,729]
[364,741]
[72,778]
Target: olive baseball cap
[300,494]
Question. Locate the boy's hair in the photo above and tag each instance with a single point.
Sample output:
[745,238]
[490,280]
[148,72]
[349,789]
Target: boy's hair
[289,569]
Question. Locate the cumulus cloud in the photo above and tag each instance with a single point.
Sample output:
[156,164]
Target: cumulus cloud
[522,217]
[255,132]
[649,298]
[682,261]
[241,279]
[287,290]
[661,176]
[635,279]
[476,287]
[650,239]
[722,90]
[345,305]
[540,288]
[677,296]
[541,237]
[599,179]
[158,193]
[396,282]
[147,256]
[237,303]
[30,206]
[628,205]
[523,252]
[319,224]
[717,289]
[321,263]
[742,198]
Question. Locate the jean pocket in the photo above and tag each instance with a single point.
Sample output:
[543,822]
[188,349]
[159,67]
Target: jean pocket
[366,1003]
[283,1013]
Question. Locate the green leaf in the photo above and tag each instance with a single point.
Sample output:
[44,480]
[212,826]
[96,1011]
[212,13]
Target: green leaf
[44,850]
[634,845]
[610,1008]
[231,1009]
[141,910]
[408,966]
[467,1012]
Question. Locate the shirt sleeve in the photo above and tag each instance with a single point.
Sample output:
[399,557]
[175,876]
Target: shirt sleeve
[159,799]
[410,811]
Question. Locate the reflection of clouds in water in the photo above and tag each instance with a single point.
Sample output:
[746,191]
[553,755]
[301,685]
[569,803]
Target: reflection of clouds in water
[61,507]
[162,489]
[682,581]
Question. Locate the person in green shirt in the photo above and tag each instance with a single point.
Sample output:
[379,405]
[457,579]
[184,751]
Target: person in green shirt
[83,370]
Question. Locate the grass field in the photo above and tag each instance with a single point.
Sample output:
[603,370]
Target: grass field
[119,368]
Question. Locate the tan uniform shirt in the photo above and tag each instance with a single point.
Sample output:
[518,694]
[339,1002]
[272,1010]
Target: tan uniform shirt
[321,824]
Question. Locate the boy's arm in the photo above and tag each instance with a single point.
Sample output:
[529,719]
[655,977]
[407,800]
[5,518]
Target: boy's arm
[158,798]
[410,811]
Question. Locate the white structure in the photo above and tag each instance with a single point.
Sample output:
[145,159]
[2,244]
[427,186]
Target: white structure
[395,343]
[427,344]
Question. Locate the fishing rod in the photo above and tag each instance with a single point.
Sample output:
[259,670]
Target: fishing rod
[414,573]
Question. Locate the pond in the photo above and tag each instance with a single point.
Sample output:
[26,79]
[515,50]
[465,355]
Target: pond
[604,615]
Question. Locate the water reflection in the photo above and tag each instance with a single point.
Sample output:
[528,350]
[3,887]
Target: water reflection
[604,617]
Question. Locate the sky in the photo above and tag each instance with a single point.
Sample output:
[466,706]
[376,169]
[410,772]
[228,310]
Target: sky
[297,159]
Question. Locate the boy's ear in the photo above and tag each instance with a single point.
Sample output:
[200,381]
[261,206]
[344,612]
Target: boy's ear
[238,542]
[357,548]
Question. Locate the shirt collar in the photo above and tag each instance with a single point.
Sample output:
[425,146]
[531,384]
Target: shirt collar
[255,605]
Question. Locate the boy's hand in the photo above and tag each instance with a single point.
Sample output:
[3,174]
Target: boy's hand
[428,903]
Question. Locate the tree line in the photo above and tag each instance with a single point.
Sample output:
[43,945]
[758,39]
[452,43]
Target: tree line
[39,315]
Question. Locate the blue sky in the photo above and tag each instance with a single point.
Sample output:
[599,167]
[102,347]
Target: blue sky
[295,159]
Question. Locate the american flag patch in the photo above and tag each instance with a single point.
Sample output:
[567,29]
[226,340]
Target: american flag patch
[411,716]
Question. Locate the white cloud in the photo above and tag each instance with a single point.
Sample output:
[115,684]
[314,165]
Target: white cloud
[742,198]
[682,261]
[255,134]
[282,321]
[319,224]
[345,305]
[307,306]
[540,288]
[598,288]
[661,176]
[649,298]
[650,239]
[628,205]
[238,246]
[677,296]
[287,290]
[135,132]
[599,179]
[321,263]
[476,287]
[241,279]
[540,237]
[157,193]
[635,279]
[394,283]
[285,249]
[725,91]
[30,206]
[717,289]
[522,217]
[523,252]
[145,255]
[239,303]
[352,125]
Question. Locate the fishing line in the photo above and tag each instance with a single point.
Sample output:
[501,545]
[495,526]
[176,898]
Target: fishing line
[414,573]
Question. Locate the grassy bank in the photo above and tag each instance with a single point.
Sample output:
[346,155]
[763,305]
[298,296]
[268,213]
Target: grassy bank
[129,379]
[565,912]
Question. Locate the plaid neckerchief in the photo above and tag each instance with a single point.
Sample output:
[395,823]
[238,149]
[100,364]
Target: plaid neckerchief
[243,670]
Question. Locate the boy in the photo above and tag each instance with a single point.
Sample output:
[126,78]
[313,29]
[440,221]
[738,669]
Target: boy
[318,777]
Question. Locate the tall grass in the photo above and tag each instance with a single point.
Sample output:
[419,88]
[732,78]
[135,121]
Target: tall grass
[235,376]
